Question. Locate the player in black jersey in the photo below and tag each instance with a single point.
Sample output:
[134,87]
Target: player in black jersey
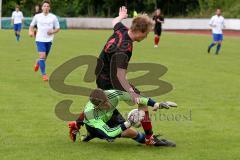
[158,19]
[113,61]
[112,66]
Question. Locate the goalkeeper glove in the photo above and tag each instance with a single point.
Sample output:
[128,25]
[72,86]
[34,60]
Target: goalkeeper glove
[164,105]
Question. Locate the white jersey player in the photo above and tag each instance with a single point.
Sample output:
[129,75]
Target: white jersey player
[217,24]
[17,20]
[48,25]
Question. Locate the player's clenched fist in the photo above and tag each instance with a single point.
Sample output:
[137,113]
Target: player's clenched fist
[31,33]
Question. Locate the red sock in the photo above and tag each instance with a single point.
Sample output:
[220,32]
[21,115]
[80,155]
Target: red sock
[156,40]
[147,125]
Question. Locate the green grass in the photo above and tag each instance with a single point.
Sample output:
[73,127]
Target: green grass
[205,84]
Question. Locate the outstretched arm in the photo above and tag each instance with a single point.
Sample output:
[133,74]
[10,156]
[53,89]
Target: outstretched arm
[125,96]
[122,15]
[121,75]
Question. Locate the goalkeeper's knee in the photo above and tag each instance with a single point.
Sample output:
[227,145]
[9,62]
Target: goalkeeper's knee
[140,138]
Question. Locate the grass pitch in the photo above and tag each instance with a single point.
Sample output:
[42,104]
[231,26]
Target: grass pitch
[206,88]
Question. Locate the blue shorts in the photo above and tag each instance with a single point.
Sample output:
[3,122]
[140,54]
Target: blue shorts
[217,37]
[17,27]
[44,46]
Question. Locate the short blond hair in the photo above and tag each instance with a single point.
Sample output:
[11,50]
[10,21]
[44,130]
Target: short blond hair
[98,97]
[141,23]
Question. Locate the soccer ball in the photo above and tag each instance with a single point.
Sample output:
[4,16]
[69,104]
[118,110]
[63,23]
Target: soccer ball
[135,116]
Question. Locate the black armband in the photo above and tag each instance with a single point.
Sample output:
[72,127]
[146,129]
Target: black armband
[151,102]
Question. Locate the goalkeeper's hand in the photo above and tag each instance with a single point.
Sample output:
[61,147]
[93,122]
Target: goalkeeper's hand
[132,119]
[130,122]
[127,124]
[164,105]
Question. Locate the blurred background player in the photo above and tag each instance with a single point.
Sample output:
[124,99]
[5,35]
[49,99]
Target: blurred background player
[37,10]
[158,19]
[48,25]
[111,69]
[217,24]
[17,20]
[100,121]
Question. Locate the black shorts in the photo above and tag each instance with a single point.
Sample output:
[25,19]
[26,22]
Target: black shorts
[115,120]
[158,31]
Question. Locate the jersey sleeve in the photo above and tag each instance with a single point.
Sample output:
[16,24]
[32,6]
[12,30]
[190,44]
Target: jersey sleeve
[126,97]
[56,23]
[211,21]
[119,26]
[34,21]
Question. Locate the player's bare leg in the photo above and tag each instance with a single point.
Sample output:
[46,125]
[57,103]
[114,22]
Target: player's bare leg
[134,134]
[129,133]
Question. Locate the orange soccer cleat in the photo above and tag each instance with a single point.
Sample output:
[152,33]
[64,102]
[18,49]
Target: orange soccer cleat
[73,130]
[36,67]
[45,77]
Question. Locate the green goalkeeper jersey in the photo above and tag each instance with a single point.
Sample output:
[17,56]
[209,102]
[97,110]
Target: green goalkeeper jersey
[97,118]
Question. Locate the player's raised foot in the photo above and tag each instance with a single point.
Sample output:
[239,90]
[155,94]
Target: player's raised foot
[73,130]
[36,67]
[154,141]
[45,77]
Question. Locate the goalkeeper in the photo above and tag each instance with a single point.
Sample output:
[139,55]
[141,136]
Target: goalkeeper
[101,121]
